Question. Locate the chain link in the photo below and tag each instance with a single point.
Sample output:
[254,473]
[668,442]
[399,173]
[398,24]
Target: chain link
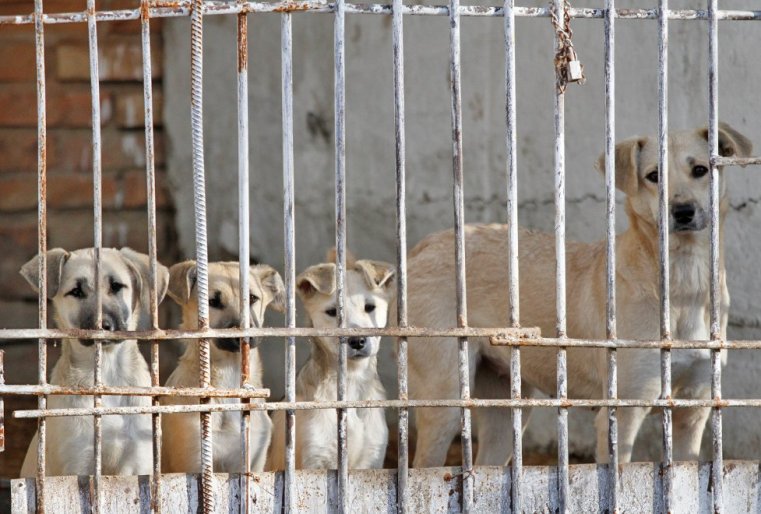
[565,52]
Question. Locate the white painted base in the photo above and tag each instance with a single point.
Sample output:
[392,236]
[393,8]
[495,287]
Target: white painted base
[431,490]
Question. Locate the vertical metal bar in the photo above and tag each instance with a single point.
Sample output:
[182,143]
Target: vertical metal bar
[402,495]
[340,157]
[150,185]
[713,139]
[42,225]
[244,252]
[202,256]
[560,299]
[98,242]
[459,230]
[663,239]
[512,250]
[2,406]
[290,257]
[610,195]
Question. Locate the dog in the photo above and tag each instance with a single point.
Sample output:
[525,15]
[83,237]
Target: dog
[432,371]
[127,448]
[369,288]
[181,432]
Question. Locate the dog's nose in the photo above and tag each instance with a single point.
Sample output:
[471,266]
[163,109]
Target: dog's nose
[357,343]
[107,325]
[683,213]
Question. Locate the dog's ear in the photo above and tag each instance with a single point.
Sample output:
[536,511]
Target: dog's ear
[142,267]
[271,281]
[182,278]
[627,164]
[331,257]
[731,142]
[320,278]
[377,274]
[56,258]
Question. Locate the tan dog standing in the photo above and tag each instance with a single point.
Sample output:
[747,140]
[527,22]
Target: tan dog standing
[181,448]
[127,448]
[432,363]
[369,288]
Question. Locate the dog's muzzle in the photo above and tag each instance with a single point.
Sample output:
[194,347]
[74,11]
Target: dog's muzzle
[358,348]
[232,344]
[109,325]
[687,217]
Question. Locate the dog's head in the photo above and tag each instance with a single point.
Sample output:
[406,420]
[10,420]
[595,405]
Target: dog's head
[265,290]
[369,289]
[71,287]
[637,175]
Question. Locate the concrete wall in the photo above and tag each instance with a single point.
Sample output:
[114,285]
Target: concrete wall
[370,149]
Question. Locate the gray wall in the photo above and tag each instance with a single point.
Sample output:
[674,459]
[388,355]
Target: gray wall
[370,147]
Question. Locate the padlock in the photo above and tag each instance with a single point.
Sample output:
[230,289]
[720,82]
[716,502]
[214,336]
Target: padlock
[573,71]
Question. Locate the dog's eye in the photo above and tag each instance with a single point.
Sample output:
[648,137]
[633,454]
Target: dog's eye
[331,312]
[116,287]
[215,302]
[77,292]
[252,299]
[369,307]
[652,176]
[699,171]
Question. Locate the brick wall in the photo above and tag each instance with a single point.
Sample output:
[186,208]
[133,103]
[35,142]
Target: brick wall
[69,163]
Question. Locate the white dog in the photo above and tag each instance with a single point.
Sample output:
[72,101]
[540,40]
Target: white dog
[432,363]
[127,446]
[368,290]
[181,432]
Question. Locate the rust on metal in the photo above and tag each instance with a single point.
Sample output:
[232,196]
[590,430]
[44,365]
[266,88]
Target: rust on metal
[191,392]
[2,404]
[293,7]
[242,43]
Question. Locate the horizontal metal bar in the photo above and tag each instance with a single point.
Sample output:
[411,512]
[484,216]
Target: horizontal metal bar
[36,333]
[388,404]
[182,8]
[735,161]
[627,343]
[192,392]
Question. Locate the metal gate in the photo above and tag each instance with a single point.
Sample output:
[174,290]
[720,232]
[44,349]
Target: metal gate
[404,490]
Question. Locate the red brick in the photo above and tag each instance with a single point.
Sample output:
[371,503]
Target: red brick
[118,60]
[130,109]
[70,150]
[18,192]
[17,61]
[66,106]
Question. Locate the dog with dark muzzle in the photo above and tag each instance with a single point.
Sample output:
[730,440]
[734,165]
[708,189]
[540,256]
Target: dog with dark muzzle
[369,288]
[181,432]
[70,281]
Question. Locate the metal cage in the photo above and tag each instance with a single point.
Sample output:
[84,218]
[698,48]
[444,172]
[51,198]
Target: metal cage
[470,496]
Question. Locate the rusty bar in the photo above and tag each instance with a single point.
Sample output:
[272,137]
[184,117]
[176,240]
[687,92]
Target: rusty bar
[468,478]
[610,205]
[403,441]
[150,186]
[340,202]
[184,8]
[663,240]
[2,406]
[92,33]
[244,251]
[560,298]
[512,250]
[42,225]
[202,257]
[183,392]
[718,160]
[717,331]
[519,333]
[395,404]
[286,37]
